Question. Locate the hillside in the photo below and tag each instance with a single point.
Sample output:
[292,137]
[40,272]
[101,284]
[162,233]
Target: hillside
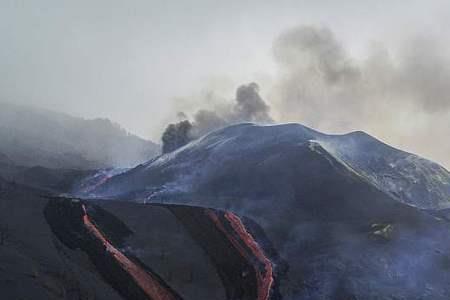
[247,160]
[53,256]
[247,212]
[346,212]
[37,137]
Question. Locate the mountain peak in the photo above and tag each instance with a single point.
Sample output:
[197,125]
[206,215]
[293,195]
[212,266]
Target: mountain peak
[226,152]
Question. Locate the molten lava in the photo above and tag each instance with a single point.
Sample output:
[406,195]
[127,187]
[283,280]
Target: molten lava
[146,281]
[249,249]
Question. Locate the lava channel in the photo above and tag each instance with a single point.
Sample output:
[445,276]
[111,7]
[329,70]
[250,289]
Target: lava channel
[147,282]
[248,248]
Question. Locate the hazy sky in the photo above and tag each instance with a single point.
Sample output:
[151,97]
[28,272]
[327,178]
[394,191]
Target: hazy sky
[129,60]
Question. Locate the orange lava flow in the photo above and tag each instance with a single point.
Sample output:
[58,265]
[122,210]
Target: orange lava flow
[143,279]
[264,281]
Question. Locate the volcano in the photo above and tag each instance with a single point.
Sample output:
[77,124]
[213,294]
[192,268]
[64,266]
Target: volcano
[246,212]
[247,160]
[353,217]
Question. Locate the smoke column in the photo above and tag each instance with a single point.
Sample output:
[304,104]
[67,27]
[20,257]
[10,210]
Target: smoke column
[401,96]
[247,107]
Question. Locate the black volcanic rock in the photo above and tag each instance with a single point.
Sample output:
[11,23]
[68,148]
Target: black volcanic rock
[33,264]
[344,212]
[197,252]
[341,217]
[99,234]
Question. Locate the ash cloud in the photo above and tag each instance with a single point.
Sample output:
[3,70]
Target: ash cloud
[176,136]
[402,97]
[248,106]
[316,69]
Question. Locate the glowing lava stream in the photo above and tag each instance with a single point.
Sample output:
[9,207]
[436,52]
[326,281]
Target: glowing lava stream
[143,279]
[264,281]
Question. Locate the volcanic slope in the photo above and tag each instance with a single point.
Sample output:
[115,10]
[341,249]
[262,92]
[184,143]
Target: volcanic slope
[346,212]
[248,160]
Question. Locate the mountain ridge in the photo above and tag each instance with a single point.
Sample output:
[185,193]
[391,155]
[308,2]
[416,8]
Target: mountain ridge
[425,184]
[39,137]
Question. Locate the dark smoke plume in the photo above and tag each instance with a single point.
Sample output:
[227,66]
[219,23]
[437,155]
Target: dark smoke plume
[248,107]
[401,95]
[176,136]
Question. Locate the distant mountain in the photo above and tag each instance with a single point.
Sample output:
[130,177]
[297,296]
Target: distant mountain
[247,160]
[36,137]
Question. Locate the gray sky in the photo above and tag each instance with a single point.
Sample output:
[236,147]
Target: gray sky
[129,60]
